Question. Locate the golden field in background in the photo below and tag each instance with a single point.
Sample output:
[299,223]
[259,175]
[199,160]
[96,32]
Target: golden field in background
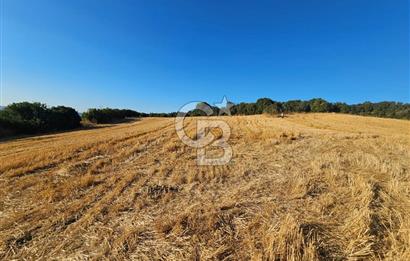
[306,187]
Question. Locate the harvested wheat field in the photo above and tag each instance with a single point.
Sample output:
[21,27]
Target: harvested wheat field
[306,187]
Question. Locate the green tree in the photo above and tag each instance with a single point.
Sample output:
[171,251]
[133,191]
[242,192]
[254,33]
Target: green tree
[273,109]
[262,104]
[108,115]
[63,118]
[296,106]
[319,105]
[29,118]
[341,107]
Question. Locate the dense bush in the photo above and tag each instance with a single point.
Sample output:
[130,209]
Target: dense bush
[63,118]
[160,114]
[320,105]
[108,115]
[244,108]
[29,118]
[263,104]
[273,108]
[296,106]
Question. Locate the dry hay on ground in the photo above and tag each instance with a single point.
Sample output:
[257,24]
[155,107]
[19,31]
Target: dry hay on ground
[314,186]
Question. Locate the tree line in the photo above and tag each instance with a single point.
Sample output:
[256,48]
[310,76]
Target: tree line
[268,106]
[34,117]
[396,110]
[108,115]
[31,118]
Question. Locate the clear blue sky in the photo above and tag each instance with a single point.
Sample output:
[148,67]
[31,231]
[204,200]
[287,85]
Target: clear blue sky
[157,55]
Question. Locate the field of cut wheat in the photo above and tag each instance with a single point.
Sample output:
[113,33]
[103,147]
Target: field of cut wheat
[305,187]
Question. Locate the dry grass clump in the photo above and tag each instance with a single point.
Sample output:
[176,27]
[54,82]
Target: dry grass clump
[306,187]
